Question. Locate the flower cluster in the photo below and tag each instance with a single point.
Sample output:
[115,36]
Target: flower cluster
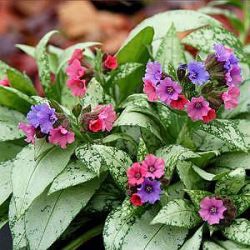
[44,122]
[144,180]
[202,87]
[101,118]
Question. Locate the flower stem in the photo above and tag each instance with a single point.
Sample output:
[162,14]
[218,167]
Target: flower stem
[93,232]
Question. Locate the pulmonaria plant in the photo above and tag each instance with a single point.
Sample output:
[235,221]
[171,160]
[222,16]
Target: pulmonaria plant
[144,180]
[202,87]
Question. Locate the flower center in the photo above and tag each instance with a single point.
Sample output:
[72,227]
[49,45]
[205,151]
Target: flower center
[170,90]
[198,105]
[148,189]
[138,175]
[151,169]
[213,210]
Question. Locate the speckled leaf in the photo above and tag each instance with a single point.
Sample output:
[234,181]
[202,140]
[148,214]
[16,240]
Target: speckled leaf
[172,154]
[178,213]
[231,183]
[49,216]
[41,146]
[205,158]
[5,180]
[239,231]
[196,196]
[9,120]
[182,19]
[99,158]
[209,245]
[204,38]
[136,100]
[43,60]
[130,118]
[142,150]
[170,50]
[226,130]
[230,245]
[203,174]
[14,99]
[29,50]
[30,177]
[75,173]
[242,202]
[194,242]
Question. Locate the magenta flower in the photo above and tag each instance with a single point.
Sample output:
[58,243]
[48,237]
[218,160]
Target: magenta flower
[75,70]
[77,87]
[136,174]
[233,75]
[153,72]
[197,73]
[77,54]
[197,108]
[154,165]
[211,210]
[5,82]
[168,90]
[43,116]
[150,90]
[150,191]
[29,131]
[61,136]
[230,97]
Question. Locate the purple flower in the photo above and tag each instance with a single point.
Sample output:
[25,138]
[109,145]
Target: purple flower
[168,90]
[197,108]
[153,72]
[150,191]
[233,75]
[197,73]
[42,116]
[211,210]
[222,53]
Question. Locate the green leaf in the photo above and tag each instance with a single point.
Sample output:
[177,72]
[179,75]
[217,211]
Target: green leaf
[14,99]
[242,202]
[193,20]
[178,213]
[203,174]
[9,120]
[20,81]
[172,154]
[203,39]
[9,150]
[194,242]
[170,50]
[43,61]
[4,213]
[99,158]
[130,118]
[5,181]
[196,196]
[142,150]
[135,51]
[41,147]
[30,177]
[205,158]
[209,245]
[49,216]
[176,191]
[188,176]
[229,245]
[231,183]
[227,131]
[239,231]
[29,50]
[75,173]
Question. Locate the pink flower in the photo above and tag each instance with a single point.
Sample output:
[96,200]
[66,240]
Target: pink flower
[110,62]
[95,125]
[180,103]
[107,115]
[29,131]
[150,90]
[211,115]
[154,165]
[230,97]
[77,87]
[136,174]
[75,70]
[61,136]
[168,90]
[5,82]
[77,54]
[136,200]
[211,210]
[197,108]
[233,76]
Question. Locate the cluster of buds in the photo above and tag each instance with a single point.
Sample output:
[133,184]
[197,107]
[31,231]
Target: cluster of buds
[201,88]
